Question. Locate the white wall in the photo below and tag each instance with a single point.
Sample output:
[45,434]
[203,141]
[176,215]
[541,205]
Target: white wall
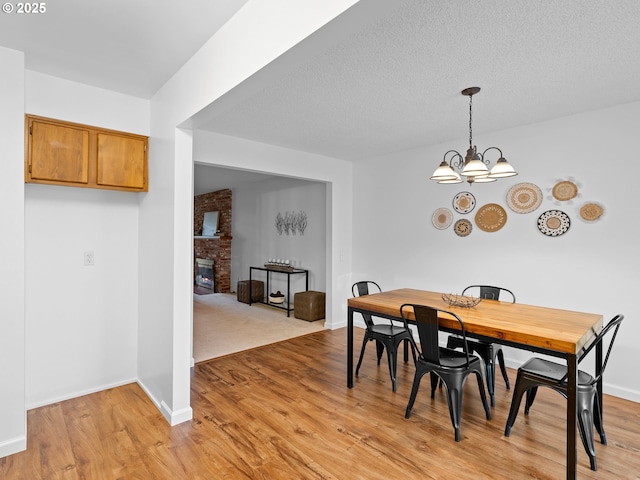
[55,97]
[13,433]
[255,238]
[81,321]
[592,268]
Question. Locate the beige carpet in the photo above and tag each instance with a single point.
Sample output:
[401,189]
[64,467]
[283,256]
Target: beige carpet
[222,325]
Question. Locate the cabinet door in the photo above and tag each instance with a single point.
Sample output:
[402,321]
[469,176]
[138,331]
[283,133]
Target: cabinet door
[59,153]
[121,161]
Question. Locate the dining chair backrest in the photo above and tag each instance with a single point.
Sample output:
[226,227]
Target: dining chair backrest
[614,324]
[365,287]
[428,329]
[490,292]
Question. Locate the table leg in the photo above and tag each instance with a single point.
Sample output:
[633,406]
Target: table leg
[572,412]
[598,374]
[350,347]
[288,299]
[268,288]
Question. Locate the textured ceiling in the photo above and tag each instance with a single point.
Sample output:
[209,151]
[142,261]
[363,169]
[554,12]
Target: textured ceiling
[395,84]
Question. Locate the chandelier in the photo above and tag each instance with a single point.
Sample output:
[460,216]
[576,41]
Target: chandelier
[474,166]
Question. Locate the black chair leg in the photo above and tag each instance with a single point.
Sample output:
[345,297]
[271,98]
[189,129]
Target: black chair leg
[483,396]
[586,405]
[491,381]
[414,349]
[585,428]
[516,399]
[392,358]
[379,350]
[503,369]
[434,382]
[454,399]
[597,420]
[414,390]
[531,396]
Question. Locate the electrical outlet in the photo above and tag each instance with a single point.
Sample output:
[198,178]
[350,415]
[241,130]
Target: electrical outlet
[88,258]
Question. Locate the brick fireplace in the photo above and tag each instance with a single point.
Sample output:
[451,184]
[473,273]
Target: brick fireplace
[216,248]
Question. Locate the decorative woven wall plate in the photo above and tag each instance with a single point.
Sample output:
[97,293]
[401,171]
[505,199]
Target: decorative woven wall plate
[442,218]
[491,217]
[524,197]
[564,191]
[464,202]
[462,227]
[553,223]
[590,212]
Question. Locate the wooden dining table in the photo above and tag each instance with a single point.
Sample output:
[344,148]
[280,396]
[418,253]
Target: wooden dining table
[551,331]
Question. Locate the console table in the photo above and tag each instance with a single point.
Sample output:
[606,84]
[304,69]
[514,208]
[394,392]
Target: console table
[269,271]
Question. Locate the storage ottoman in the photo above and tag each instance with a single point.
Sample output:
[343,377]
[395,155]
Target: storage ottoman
[257,291]
[309,305]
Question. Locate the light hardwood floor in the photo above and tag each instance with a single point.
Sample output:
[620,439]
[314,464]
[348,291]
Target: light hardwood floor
[283,411]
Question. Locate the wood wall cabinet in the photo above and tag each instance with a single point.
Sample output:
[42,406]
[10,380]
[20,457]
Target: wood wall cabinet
[71,154]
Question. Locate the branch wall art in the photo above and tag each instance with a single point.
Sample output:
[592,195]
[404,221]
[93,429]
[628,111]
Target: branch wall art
[291,223]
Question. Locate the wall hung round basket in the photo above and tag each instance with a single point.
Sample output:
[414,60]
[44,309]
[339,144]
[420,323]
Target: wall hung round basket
[464,202]
[564,191]
[491,217]
[442,218]
[590,212]
[462,227]
[554,223]
[524,197]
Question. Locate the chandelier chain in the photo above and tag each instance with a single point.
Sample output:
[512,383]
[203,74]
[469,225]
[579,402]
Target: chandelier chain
[470,121]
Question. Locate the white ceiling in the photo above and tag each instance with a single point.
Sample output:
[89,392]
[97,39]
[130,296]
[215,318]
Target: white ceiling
[129,46]
[379,84]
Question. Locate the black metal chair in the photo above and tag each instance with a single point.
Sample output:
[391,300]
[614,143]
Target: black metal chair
[487,350]
[537,372]
[452,367]
[386,335]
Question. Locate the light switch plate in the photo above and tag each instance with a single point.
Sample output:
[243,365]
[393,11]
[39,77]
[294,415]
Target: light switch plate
[89,258]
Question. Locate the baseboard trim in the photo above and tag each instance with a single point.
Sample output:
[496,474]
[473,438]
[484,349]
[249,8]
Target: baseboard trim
[15,445]
[80,393]
[175,418]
